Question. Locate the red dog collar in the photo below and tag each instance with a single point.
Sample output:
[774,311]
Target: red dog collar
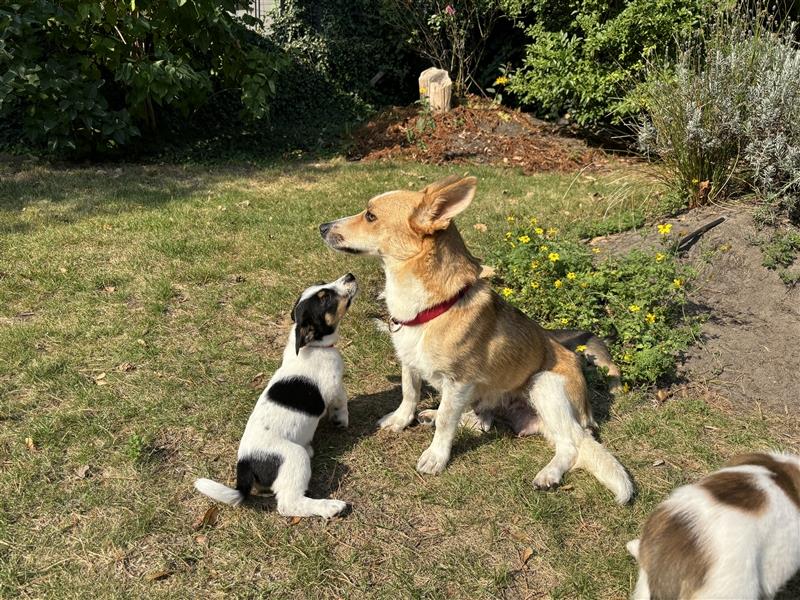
[430,313]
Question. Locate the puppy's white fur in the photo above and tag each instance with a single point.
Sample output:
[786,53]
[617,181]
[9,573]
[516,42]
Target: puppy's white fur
[278,438]
[750,553]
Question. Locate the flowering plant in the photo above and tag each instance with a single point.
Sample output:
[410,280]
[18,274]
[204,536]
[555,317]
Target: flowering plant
[635,302]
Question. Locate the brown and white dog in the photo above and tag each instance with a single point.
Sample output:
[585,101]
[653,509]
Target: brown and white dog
[734,534]
[450,328]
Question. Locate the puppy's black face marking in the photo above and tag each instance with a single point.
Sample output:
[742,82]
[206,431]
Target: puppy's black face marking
[298,394]
[317,316]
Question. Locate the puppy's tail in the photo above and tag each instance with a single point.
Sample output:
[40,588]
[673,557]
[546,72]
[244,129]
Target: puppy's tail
[593,457]
[219,492]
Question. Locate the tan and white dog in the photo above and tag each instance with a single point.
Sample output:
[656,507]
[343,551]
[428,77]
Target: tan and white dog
[734,534]
[450,328]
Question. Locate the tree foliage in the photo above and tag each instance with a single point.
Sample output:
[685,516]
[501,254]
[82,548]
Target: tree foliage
[90,77]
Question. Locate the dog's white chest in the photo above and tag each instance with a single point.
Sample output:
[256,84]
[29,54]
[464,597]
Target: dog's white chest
[409,346]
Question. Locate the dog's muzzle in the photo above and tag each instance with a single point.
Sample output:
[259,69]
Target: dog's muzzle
[324,229]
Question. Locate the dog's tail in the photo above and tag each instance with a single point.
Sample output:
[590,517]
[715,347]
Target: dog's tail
[219,492]
[593,457]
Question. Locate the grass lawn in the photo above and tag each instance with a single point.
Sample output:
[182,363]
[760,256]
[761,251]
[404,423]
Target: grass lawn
[142,306]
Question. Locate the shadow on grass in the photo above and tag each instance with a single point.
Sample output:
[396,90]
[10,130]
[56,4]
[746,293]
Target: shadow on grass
[110,189]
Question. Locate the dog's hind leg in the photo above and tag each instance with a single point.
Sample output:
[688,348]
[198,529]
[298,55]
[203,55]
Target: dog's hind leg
[292,481]
[574,446]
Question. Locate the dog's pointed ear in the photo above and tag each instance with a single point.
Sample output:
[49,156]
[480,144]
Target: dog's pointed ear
[440,206]
[303,334]
[441,184]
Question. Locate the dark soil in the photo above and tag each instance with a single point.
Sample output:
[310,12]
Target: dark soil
[478,132]
[747,351]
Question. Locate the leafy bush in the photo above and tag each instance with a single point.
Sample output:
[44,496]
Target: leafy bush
[635,301]
[585,55]
[348,43]
[726,117]
[88,77]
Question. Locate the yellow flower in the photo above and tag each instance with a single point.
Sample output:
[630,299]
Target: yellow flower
[553,256]
[542,248]
[535,285]
[511,218]
[660,257]
[665,228]
[627,357]
[571,275]
[695,181]
[564,320]
[584,285]
[423,91]
[596,250]
[580,348]
[634,308]
[533,221]
[508,235]
[502,80]
[558,283]
[677,282]
[524,239]
[651,318]
[507,292]
[534,265]
[552,231]
[538,231]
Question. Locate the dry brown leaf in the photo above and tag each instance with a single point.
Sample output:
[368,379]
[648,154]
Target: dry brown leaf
[295,520]
[662,395]
[257,382]
[207,519]
[526,554]
[659,462]
[160,574]
[30,445]
[110,289]
[480,227]
[201,539]
[82,471]
[126,367]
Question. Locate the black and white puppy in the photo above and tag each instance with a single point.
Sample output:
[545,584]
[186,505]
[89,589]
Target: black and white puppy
[275,450]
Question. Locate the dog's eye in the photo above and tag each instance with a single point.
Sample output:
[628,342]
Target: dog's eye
[370,216]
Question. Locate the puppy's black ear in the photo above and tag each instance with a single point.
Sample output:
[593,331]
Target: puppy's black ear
[294,308]
[303,334]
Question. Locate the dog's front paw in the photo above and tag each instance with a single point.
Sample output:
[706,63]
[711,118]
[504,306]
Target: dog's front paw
[547,479]
[340,418]
[331,508]
[432,461]
[396,421]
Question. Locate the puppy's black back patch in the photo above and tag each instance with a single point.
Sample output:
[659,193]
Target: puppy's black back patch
[260,468]
[299,394]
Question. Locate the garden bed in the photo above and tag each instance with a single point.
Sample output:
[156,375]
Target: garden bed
[477,132]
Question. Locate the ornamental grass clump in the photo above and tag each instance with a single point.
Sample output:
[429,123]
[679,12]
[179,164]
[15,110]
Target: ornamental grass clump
[724,119]
[635,301]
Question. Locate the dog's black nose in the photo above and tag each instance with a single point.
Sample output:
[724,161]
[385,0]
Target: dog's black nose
[325,228]
[349,278]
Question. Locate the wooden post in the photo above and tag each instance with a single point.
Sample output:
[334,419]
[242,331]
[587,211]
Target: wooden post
[435,86]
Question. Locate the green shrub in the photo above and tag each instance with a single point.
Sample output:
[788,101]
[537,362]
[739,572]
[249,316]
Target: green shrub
[635,301]
[725,118]
[89,77]
[585,55]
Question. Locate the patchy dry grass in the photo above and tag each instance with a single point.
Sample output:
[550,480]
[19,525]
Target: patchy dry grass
[137,306]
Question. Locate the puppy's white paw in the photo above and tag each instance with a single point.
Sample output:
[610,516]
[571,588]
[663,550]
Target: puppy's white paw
[396,421]
[427,417]
[331,508]
[432,461]
[547,479]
